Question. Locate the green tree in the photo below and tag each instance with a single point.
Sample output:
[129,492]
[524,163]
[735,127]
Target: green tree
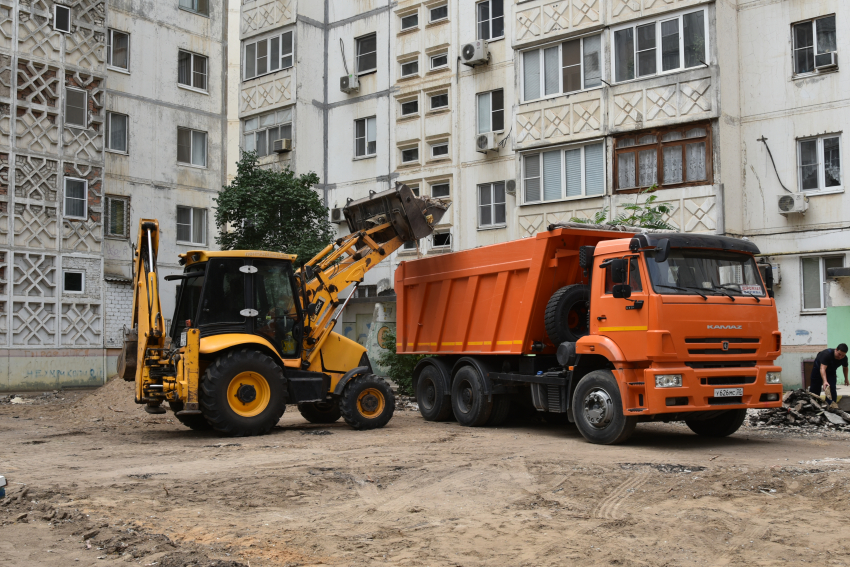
[646,215]
[400,366]
[270,210]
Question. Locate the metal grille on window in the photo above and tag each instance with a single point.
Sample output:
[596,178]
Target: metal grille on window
[118,225]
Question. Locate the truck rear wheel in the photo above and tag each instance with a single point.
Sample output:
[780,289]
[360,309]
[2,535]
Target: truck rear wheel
[501,410]
[469,402]
[721,425]
[243,393]
[598,409]
[435,403]
[320,412]
[567,314]
[367,402]
[194,422]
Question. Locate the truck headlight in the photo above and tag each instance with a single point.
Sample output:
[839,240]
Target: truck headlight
[668,380]
[183,338]
[773,378]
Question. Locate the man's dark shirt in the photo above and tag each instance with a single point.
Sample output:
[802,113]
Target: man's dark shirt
[827,358]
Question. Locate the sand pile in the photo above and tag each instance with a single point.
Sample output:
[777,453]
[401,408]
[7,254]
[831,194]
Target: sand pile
[113,402]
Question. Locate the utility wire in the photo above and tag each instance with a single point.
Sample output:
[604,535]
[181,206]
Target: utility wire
[763,140]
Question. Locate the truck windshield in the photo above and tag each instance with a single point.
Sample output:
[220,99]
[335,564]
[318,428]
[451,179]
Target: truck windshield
[188,298]
[690,271]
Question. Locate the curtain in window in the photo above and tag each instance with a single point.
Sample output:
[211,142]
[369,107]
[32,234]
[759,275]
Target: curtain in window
[484,113]
[572,161]
[624,53]
[809,164]
[484,205]
[626,170]
[571,60]
[592,58]
[184,224]
[184,145]
[670,45]
[118,132]
[693,29]
[531,74]
[551,175]
[648,164]
[831,162]
[695,158]
[199,148]
[199,226]
[532,178]
[184,68]
[594,169]
[672,164]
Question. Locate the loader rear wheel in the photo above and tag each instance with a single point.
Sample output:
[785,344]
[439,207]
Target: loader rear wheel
[567,314]
[320,412]
[470,403]
[367,402]
[195,422]
[435,403]
[598,409]
[243,393]
[722,425]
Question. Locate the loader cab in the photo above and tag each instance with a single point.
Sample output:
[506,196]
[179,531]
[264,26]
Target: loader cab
[232,292]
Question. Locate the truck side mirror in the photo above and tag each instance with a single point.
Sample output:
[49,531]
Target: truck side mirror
[662,250]
[622,291]
[619,270]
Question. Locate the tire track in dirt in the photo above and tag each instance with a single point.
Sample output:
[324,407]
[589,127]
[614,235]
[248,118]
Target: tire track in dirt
[609,508]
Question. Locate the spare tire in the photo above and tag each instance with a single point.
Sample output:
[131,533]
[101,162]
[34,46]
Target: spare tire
[568,314]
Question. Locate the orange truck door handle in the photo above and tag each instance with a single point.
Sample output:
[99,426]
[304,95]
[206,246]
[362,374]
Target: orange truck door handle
[601,317]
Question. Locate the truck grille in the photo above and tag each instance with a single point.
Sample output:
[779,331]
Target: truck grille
[722,364]
[719,340]
[721,351]
[727,380]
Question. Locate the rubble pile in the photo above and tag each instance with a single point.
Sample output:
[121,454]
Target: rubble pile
[406,403]
[37,399]
[801,408]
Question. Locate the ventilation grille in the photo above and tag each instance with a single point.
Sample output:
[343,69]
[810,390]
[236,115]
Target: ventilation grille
[786,203]
[468,51]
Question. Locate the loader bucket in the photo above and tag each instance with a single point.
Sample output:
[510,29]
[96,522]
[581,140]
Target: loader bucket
[412,217]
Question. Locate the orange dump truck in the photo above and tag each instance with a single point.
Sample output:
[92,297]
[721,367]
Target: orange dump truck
[609,328]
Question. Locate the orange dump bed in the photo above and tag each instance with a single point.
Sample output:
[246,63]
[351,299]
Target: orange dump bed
[490,299]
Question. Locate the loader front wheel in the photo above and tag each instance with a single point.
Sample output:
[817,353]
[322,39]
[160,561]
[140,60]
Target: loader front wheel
[194,422]
[367,402]
[320,412]
[243,393]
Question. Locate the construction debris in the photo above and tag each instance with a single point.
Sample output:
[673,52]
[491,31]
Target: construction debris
[801,408]
[406,403]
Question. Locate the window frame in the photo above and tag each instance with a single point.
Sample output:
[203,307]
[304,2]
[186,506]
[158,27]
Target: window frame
[659,163]
[438,67]
[814,47]
[442,247]
[108,214]
[402,64]
[560,45]
[84,199]
[404,17]
[193,11]
[431,9]
[85,109]
[822,281]
[440,145]
[408,148]
[492,205]
[56,8]
[190,86]
[489,20]
[366,140]
[659,64]
[192,225]
[492,112]
[108,134]
[431,107]
[110,43]
[822,188]
[357,70]
[562,149]
[408,101]
[192,148]
[264,130]
[268,40]
[446,182]
[82,281]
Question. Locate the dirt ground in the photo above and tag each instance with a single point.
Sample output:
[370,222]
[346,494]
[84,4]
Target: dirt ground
[93,480]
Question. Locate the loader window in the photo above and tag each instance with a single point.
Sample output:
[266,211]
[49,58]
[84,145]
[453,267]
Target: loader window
[634,277]
[188,299]
[277,318]
[224,293]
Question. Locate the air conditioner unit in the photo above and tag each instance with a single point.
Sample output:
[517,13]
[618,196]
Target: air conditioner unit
[486,143]
[793,203]
[349,83]
[337,216]
[475,53]
[510,187]
[282,145]
[826,60]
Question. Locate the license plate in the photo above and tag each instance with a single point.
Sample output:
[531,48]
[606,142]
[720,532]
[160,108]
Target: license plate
[728,392]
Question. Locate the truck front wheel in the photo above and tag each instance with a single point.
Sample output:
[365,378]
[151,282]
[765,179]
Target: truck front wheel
[598,409]
[367,402]
[721,425]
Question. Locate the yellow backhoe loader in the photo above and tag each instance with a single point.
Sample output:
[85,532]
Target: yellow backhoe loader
[250,333]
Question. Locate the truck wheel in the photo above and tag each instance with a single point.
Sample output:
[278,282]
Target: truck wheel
[722,425]
[598,409]
[243,393]
[501,410]
[367,402]
[470,404]
[435,403]
[195,422]
[567,314]
[320,412]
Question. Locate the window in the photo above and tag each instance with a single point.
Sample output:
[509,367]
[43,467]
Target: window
[568,67]
[197,6]
[490,19]
[439,13]
[439,101]
[76,108]
[73,281]
[269,55]
[411,245]
[260,132]
[410,107]
[62,18]
[415,189]
[814,279]
[75,198]
[410,68]
[491,112]
[440,190]
[192,70]
[634,277]
[367,56]
[667,157]
[441,239]
[820,163]
[491,204]
[117,216]
[191,225]
[564,173]
[365,137]
[637,52]
[439,61]
[440,150]
[191,147]
[118,49]
[409,22]
[813,42]
[116,132]
[409,155]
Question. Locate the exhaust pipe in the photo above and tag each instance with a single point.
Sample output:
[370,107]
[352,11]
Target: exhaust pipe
[411,217]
